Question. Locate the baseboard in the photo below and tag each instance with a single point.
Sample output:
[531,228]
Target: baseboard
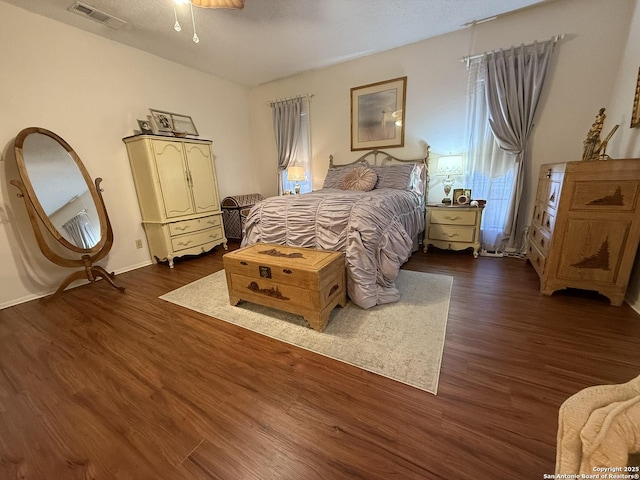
[484,253]
[35,296]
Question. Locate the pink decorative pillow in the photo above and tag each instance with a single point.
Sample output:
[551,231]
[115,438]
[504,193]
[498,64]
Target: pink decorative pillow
[360,178]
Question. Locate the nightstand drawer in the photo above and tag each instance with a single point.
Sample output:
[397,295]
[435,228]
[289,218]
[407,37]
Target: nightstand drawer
[453,216]
[451,233]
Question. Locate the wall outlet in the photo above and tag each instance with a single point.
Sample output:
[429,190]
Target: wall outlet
[139,243]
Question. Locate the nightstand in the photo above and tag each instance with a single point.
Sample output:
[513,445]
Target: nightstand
[453,227]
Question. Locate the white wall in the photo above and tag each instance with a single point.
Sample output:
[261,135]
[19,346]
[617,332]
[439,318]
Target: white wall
[626,141]
[580,82]
[90,91]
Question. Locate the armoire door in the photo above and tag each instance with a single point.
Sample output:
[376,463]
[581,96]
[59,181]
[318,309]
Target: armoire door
[174,178]
[202,176]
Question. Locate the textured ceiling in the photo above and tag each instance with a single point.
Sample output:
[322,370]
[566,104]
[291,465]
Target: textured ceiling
[272,39]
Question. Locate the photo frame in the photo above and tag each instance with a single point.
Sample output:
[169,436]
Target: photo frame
[162,120]
[461,196]
[154,126]
[183,123]
[145,127]
[168,122]
[378,114]
[635,115]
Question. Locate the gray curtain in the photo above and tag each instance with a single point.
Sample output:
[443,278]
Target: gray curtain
[81,231]
[287,122]
[513,82]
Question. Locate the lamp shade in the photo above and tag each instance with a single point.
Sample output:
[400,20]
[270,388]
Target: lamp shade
[295,173]
[449,165]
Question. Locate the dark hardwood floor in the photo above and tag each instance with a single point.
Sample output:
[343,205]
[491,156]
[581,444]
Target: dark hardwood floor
[103,385]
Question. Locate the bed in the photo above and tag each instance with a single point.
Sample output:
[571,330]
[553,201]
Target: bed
[372,209]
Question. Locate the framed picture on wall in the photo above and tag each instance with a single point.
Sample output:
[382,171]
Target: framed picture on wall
[377,114]
[635,116]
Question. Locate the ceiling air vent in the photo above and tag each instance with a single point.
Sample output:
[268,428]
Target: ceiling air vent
[97,15]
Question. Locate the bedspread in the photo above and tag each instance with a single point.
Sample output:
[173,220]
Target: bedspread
[375,229]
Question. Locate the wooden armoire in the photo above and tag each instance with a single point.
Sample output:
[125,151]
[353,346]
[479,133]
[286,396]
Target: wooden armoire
[177,190]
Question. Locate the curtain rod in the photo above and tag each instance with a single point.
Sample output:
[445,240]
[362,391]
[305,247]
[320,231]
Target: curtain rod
[273,102]
[467,58]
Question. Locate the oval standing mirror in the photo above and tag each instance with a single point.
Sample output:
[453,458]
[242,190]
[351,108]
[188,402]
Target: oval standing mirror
[58,192]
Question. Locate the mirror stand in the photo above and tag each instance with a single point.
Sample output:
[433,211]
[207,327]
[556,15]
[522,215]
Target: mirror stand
[92,272]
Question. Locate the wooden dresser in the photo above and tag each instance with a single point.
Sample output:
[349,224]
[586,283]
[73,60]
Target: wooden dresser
[454,227]
[177,190]
[585,228]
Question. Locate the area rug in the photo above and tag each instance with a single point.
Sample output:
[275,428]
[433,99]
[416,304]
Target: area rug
[403,341]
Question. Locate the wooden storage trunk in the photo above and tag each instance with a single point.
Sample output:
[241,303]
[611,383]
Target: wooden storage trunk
[303,281]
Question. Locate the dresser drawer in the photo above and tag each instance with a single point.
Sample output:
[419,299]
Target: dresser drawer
[540,239]
[202,237]
[452,233]
[548,222]
[453,216]
[194,225]
[537,259]
[538,211]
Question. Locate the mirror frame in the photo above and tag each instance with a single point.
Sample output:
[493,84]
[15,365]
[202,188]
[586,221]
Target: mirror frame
[88,256]
[33,197]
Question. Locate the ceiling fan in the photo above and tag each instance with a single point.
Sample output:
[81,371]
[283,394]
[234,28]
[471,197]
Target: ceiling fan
[236,4]
[232,4]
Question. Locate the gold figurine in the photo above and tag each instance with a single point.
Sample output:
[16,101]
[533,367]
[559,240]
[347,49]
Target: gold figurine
[594,148]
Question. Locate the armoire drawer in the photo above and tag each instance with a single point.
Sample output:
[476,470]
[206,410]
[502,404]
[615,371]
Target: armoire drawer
[202,237]
[194,225]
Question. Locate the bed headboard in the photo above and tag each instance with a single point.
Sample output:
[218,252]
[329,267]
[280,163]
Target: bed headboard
[381,159]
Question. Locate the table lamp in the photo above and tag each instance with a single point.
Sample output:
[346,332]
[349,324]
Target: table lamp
[447,166]
[295,173]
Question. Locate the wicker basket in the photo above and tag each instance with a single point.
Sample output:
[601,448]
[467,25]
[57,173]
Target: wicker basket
[234,212]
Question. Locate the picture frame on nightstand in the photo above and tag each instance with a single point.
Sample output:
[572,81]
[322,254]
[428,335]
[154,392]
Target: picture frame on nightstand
[461,196]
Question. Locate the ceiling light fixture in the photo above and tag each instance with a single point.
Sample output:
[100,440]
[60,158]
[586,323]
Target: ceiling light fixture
[234,4]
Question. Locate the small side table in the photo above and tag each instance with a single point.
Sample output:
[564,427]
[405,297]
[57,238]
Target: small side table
[455,227]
